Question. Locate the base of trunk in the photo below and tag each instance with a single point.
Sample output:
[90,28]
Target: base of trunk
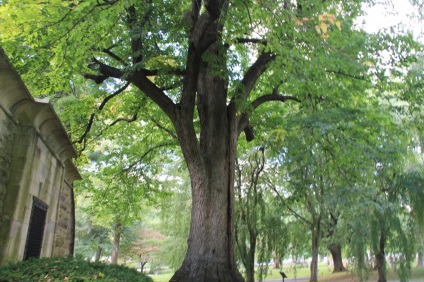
[211,272]
[339,269]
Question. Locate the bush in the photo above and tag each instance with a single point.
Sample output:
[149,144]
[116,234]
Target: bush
[68,269]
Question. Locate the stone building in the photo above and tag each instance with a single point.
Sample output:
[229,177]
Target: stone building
[37,217]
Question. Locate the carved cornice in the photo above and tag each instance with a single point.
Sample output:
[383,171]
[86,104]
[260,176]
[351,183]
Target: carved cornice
[18,103]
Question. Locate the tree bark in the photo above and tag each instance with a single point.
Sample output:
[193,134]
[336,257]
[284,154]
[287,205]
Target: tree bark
[276,260]
[314,261]
[115,246]
[250,267]
[210,253]
[380,258]
[316,230]
[98,254]
[336,253]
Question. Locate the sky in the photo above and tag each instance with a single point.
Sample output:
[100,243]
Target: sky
[382,16]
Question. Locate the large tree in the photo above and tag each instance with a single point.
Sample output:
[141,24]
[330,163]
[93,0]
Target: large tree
[207,65]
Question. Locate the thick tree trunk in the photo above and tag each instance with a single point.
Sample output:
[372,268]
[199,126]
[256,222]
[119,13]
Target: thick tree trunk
[420,259]
[98,254]
[336,253]
[380,258]
[210,253]
[116,239]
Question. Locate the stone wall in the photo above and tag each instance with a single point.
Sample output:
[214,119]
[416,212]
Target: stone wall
[35,167]
[65,229]
[6,141]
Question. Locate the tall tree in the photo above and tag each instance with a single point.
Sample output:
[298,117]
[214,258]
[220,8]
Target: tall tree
[250,208]
[207,65]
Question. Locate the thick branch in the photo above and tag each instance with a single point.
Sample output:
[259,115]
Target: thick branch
[105,71]
[195,10]
[140,80]
[272,97]
[248,40]
[255,71]
[214,7]
[108,70]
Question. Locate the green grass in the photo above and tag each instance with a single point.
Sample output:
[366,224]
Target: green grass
[325,274]
[162,277]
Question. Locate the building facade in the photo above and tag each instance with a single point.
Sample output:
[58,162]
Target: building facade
[37,216]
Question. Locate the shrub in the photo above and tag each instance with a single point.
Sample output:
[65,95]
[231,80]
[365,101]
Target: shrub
[68,269]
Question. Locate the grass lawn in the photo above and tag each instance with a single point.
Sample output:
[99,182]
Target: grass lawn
[325,275]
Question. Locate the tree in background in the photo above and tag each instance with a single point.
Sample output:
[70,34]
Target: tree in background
[250,209]
[90,240]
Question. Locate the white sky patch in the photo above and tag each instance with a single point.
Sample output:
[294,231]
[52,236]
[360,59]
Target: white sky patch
[392,13]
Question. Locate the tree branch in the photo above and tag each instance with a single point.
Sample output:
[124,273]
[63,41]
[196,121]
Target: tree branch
[105,71]
[91,119]
[248,40]
[105,100]
[87,130]
[116,57]
[133,118]
[289,208]
[255,71]
[348,75]
[272,97]
[170,132]
[140,80]
[132,165]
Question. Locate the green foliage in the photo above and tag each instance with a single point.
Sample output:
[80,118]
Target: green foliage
[175,216]
[68,269]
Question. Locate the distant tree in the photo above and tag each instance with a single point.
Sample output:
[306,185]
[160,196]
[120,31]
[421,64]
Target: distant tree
[249,208]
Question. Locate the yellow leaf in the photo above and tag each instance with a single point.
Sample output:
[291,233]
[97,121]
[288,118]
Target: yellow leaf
[297,22]
[338,24]
[368,63]
[323,27]
[318,29]
[324,35]
[321,18]
[330,17]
